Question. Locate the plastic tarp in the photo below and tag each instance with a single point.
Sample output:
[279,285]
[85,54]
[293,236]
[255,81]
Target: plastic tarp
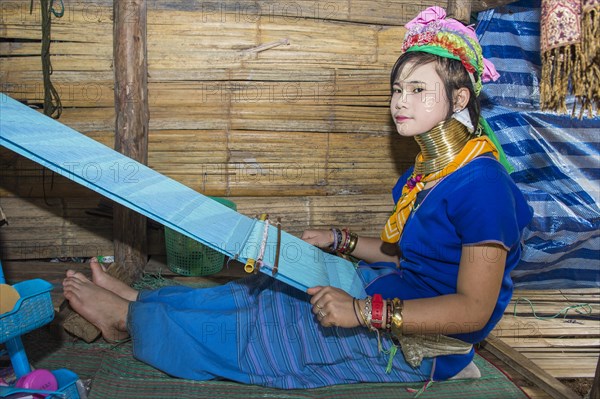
[556,157]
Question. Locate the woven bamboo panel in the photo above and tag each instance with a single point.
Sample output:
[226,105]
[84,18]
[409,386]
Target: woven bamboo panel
[278,104]
[52,227]
[559,330]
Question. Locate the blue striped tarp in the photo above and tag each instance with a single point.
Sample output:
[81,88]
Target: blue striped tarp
[556,158]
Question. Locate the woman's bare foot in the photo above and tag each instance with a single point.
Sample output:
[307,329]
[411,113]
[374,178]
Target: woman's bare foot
[108,282]
[102,308]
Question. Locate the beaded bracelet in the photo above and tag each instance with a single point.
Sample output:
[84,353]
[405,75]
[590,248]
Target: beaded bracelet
[388,315]
[337,240]
[367,313]
[343,248]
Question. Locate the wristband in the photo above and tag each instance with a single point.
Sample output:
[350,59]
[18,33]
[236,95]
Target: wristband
[377,311]
[334,244]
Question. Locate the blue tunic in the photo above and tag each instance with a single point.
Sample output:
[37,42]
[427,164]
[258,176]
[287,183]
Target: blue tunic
[478,203]
[261,331]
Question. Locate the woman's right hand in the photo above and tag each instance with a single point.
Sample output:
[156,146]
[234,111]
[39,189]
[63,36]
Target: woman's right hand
[319,238]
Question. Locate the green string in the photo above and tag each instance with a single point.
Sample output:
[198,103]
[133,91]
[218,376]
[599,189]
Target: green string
[392,352]
[564,311]
[62,9]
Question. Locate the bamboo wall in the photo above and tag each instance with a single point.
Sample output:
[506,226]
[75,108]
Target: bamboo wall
[300,130]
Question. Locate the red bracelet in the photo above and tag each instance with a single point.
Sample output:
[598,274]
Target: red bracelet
[377,311]
[346,238]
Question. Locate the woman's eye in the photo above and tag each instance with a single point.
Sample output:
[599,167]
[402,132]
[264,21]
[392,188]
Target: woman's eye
[396,90]
[418,90]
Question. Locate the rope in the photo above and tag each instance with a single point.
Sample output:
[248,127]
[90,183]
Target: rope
[588,309]
[52,103]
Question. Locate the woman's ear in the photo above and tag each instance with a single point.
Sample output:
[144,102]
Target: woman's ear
[461,99]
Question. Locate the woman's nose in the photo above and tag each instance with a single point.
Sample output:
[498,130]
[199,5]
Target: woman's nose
[400,101]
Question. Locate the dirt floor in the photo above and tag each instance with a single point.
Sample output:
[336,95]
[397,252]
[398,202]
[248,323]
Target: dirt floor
[581,386]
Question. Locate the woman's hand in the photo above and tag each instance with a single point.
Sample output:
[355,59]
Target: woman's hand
[319,238]
[333,307]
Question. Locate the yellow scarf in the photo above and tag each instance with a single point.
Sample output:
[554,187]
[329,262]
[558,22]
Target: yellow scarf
[394,226]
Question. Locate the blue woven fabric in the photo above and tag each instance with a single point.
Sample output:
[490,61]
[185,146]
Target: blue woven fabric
[259,331]
[134,185]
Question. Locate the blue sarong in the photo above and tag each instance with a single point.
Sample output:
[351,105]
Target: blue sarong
[258,331]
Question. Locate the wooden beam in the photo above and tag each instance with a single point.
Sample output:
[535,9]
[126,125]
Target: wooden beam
[131,127]
[482,5]
[595,392]
[528,369]
[460,10]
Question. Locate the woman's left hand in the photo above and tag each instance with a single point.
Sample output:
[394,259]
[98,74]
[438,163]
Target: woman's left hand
[333,307]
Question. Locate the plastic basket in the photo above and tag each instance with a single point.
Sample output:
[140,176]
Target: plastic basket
[33,310]
[67,383]
[188,257]
[67,387]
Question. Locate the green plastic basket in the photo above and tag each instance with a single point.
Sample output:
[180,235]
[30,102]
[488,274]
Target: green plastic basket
[188,257]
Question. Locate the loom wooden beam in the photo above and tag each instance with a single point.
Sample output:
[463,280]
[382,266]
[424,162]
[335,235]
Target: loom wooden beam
[528,369]
[131,127]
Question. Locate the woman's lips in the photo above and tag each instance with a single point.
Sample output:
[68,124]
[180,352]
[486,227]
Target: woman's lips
[401,118]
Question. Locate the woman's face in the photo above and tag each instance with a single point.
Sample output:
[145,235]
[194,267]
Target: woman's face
[419,100]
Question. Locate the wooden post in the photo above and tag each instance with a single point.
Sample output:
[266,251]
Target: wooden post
[131,127]
[460,10]
[595,392]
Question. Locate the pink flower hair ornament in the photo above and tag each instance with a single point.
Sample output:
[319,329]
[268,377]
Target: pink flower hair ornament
[432,32]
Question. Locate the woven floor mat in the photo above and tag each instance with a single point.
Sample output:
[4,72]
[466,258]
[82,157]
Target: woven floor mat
[115,374]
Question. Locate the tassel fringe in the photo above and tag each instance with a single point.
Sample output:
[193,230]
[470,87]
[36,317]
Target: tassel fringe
[574,69]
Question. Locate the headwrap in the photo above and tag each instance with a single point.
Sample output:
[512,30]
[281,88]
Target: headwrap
[433,33]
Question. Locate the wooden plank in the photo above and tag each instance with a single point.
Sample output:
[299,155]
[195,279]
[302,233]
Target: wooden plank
[394,12]
[553,343]
[560,310]
[533,328]
[528,369]
[565,347]
[575,366]
[595,391]
[561,292]
[482,5]
[460,10]
[568,297]
[532,390]
[535,393]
